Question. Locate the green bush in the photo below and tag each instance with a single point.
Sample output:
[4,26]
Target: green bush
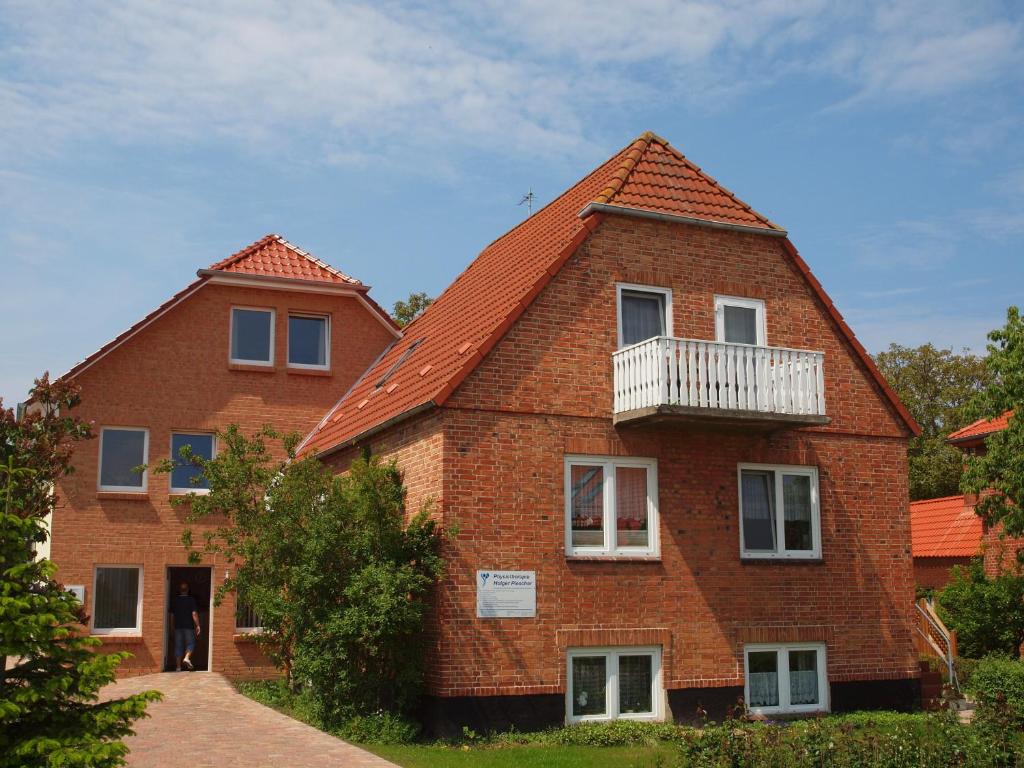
[379,728]
[997,684]
[986,612]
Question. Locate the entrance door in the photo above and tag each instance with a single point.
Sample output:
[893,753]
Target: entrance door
[198,580]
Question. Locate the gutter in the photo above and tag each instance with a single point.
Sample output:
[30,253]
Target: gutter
[414,411]
[676,218]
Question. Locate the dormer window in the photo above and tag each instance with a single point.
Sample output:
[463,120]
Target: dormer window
[252,336]
[644,312]
[739,321]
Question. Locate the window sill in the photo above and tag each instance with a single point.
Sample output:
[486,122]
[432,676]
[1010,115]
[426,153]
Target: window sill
[122,496]
[326,372]
[245,637]
[819,560]
[252,367]
[121,639]
[613,558]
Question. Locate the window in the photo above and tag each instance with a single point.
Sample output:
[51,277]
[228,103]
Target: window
[252,336]
[643,313]
[246,619]
[786,678]
[116,603]
[611,683]
[739,321]
[122,450]
[611,506]
[187,477]
[779,515]
[308,341]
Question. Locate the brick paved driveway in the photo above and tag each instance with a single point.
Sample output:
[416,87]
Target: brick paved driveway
[203,722]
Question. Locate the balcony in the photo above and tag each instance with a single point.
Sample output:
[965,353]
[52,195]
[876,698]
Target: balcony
[666,379]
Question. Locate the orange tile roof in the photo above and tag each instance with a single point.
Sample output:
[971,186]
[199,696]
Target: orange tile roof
[476,310]
[944,527]
[270,256]
[981,428]
[273,256]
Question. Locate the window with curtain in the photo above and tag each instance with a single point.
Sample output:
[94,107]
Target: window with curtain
[116,599]
[186,476]
[608,683]
[739,320]
[786,678]
[641,315]
[611,505]
[307,341]
[779,514]
[252,336]
[122,451]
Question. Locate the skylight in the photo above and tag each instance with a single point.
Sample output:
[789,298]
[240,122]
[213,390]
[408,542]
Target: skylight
[404,356]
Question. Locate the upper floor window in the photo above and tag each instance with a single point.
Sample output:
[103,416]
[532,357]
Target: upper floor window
[186,477]
[252,336]
[779,516]
[308,341]
[116,599]
[122,451]
[739,321]
[611,506]
[643,313]
[785,678]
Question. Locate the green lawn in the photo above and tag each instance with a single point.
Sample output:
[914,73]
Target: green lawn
[532,756]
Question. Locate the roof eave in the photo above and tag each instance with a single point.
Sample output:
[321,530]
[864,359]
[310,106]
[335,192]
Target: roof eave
[676,218]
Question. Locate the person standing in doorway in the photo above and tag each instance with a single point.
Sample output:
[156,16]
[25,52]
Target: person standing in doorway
[184,611]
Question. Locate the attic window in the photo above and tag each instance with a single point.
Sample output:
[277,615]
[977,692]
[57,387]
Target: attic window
[404,356]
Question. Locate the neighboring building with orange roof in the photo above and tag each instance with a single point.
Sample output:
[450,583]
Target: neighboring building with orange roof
[649,423]
[973,435]
[945,532]
[268,335]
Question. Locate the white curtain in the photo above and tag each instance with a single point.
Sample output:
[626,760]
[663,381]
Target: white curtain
[643,316]
[764,689]
[803,687]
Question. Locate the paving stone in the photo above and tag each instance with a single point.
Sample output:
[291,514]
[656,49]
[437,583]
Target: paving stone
[203,722]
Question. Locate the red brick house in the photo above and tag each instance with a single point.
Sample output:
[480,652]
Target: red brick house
[268,335]
[947,532]
[677,478]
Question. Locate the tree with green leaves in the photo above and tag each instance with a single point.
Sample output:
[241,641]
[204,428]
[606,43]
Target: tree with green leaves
[987,612]
[339,575]
[408,310]
[936,385]
[51,676]
[997,474]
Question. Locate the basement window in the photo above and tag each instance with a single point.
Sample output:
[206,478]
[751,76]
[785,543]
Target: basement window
[611,506]
[779,515]
[785,678]
[116,603]
[252,336]
[614,683]
[122,451]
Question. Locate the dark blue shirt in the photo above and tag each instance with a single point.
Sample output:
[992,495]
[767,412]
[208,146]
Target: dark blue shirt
[182,607]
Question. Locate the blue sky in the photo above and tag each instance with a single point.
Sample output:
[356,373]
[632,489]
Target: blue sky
[141,141]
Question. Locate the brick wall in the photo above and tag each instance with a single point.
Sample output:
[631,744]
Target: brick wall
[934,571]
[545,390]
[174,376]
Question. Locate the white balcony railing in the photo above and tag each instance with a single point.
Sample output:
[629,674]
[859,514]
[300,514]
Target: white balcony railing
[711,374]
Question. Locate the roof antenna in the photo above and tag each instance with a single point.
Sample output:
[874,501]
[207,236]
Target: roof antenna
[528,199]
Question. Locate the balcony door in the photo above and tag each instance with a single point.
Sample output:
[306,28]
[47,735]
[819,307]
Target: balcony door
[643,313]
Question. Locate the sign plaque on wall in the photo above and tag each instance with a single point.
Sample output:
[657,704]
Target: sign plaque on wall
[506,594]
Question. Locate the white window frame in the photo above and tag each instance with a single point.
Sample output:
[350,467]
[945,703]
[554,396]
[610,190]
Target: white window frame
[231,335]
[781,553]
[610,548]
[782,654]
[611,681]
[327,342]
[721,302]
[244,630]
[131,631]
[144,488]
[620,287]
[174,457]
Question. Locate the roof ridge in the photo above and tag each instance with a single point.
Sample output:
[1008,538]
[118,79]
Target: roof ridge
[938,498]
[634,151]
[319,262]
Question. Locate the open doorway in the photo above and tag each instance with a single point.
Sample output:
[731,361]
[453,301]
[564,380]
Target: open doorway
[199,580]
